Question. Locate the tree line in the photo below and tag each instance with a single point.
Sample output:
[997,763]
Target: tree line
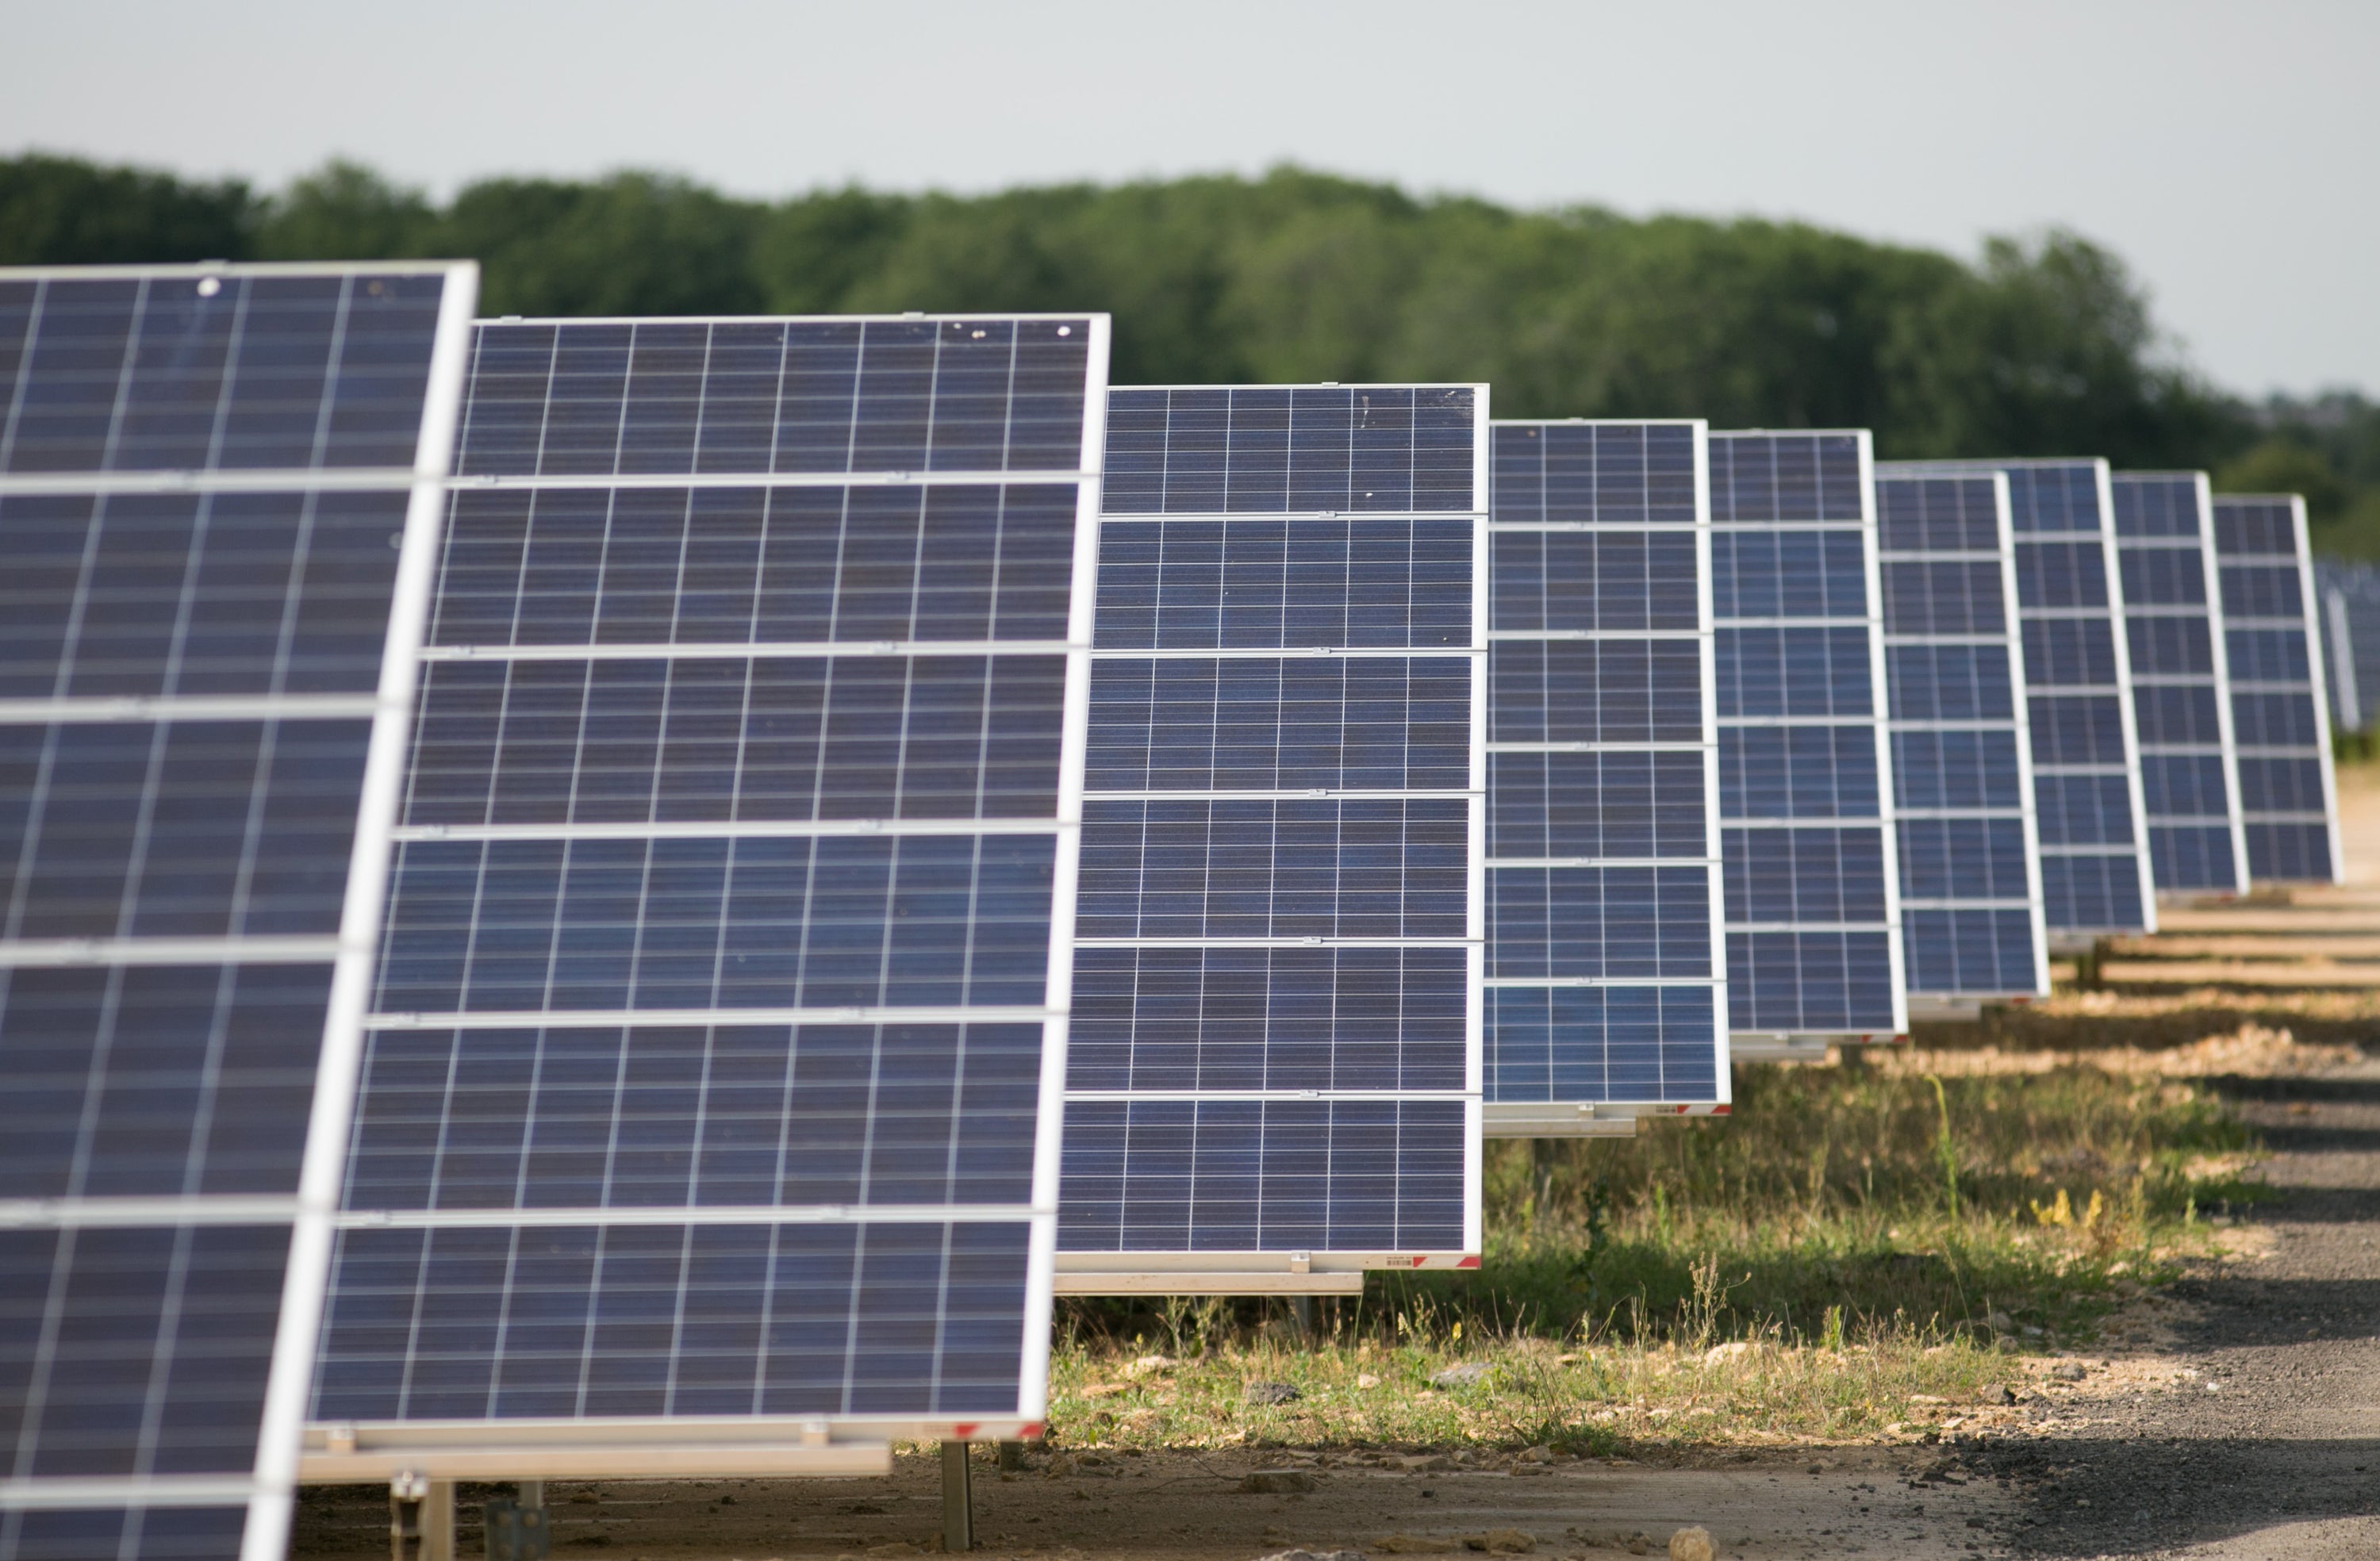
[2039,347]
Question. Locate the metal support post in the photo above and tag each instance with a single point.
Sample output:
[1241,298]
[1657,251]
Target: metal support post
[958,1515]
[516,1526]
[1012,1458]
[1301,1307]
[420,1519]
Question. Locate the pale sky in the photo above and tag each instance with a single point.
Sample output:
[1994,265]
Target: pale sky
[2227,150]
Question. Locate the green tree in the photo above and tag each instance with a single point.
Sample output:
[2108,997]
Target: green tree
[346,212]
[63,210]
[631,244]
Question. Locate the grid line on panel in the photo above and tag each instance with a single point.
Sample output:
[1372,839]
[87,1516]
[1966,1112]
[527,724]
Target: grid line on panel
[1813,921]
[2181,704]
[1285,595]
[2089,807]
[1603,890]
[1970,891]
[2288,794]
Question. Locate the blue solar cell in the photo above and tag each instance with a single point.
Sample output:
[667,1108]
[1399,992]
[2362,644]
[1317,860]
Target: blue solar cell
[1611,474]
[488,1321]
[1812,983]
[1794,672]
[2171,646]
[1279,449]
[1617,803]
[1807,874]
[1970,899]
[697,1116]
[1601,812]
[1595,691]
[1596,581]
[627,740]
[130,1533]
[136,1352]
[744,397]
[1787,477]
[166,595]
[1253,1019]
[1250,1176]
[177,828]
[238,370]
[1215,867]
[1275,723]
[149,1080]
[1359,582]
[1798,772]
[1602,1043]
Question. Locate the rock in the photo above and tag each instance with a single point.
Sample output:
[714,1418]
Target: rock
[1061,1465]
[1539,1453]
[2001,1395]
[1365,1379]
[1315,1555]
[1272,1393]
[1502,1542]
[1416,1461]
[1717,1353]
[1464,1376]
[1692,1545]
[2071,1370]
[1148,1364]
[2000,1322]
[1412,1544]
[1278,1482]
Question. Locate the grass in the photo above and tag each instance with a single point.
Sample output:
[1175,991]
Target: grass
[1856,1251]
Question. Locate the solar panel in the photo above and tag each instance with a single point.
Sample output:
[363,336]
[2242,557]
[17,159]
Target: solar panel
[1805,782]
[1607,981]
[2088,800]
[2288,794]
[2181,706]
[1971,914]
[1273,1079]
[220,491]
[2349,590]
[709,1100]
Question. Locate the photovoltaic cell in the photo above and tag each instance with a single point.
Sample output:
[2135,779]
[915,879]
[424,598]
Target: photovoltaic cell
[1273,1067]
[1607,983]
[2181,699]
[215,484]
[2288,798]
[2348,601]
[1971,912]
[712,1067]
[2089,803]
[1811,906]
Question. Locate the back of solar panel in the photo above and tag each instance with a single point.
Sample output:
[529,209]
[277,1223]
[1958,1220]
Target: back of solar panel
[2182,697]
[1273,1083]
[710,1108]
[1971,911]
[2348,593]
[1805,776]
[2288,792]
[220,494]
[2089,803]
[1608,965]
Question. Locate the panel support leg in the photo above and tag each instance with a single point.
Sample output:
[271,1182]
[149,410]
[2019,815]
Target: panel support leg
[516,1525]
[1301,1307]
[420,1519]
[1012,1458]
[958,1514]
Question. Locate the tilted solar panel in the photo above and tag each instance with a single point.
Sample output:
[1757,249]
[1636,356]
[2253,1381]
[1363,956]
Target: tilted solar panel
[1805,779]
[711,1095]
[2288,794]
[2181,704]
[1605,965]
[220,494]
[2347,592]
[1273,1081]
[2088,800]
[1971,915]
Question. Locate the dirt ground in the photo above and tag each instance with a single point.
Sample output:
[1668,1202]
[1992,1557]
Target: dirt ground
[2231,1418]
